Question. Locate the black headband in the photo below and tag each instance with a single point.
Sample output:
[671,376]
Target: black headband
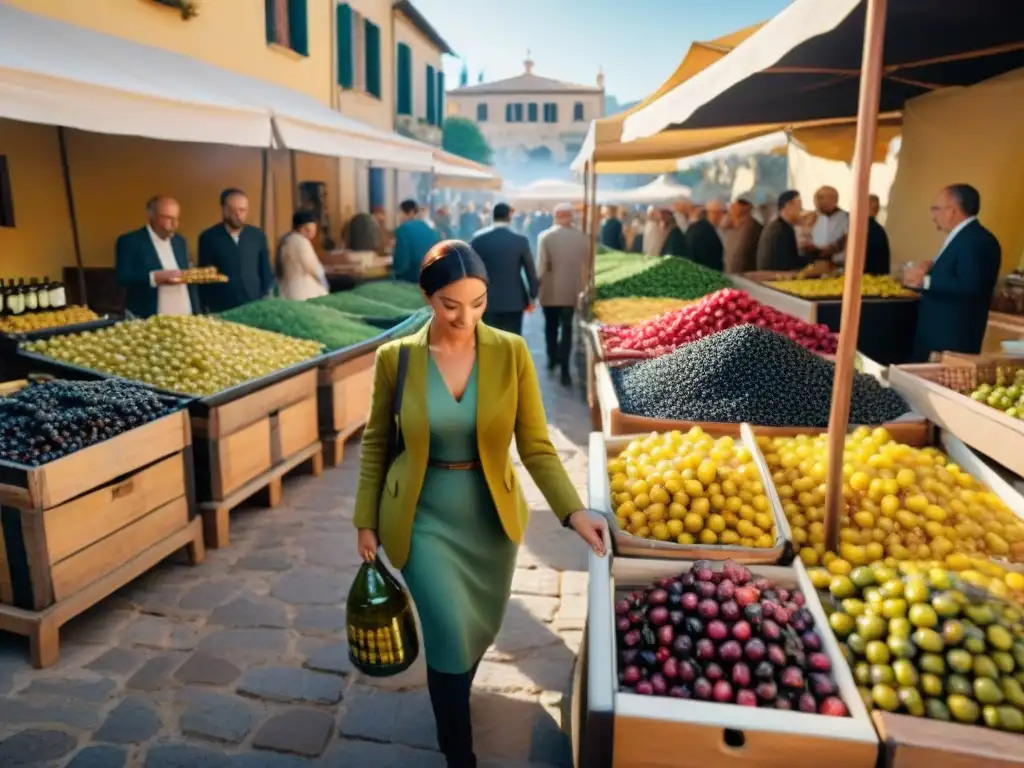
[456,264]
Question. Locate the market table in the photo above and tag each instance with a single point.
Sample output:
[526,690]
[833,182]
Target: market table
[887,326]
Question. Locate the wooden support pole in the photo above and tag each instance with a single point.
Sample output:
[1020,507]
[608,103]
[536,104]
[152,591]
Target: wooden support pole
[69,195]
[856,245]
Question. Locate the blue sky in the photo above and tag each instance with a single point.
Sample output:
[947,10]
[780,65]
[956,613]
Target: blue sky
[638,42]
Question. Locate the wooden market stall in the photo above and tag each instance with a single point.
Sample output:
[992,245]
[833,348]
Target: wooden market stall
[78,528]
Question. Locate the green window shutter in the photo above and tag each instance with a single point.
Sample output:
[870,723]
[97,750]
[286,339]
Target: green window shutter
[268,6]
[298,28]
[508,113]
[531,112]
[431,97]
[346,65]
[440,97]
[404,65]
[372,59]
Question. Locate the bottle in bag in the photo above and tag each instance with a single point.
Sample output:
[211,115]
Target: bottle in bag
[382,639]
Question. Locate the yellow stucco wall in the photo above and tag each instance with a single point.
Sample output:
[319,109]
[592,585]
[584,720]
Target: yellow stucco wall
[228,33]
[971,135]
[424,53]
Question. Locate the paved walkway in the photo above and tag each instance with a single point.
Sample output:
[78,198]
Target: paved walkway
[238,663]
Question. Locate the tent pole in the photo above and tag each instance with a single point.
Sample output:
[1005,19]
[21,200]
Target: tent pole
[863,154]
[264,185]
[69,195]
[586,197]
[594,223]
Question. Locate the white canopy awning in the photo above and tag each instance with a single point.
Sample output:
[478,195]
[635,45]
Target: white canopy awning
[57,73]
[761,145]
[547,191]
[663,189]
[798,22]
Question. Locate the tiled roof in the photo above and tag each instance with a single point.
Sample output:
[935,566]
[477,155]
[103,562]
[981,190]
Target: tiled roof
[526,83]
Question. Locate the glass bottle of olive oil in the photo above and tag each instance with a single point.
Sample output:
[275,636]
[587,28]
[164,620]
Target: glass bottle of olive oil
[382,637]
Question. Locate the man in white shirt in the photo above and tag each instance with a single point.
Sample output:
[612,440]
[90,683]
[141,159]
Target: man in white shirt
[828,235]
[149,261]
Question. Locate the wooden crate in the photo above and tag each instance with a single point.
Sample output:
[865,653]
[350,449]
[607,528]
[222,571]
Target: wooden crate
[74,530]
[753,284]
[914,742]
[940,392]
[915,432]
[343,398]
[590,337]
[248,444]
[602,449]
[659,732]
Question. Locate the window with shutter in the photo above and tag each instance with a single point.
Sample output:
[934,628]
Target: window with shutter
[481,113]
[531,112]
[550,113]
[277,22]
[346,59]
[518,112]
[372,39]
[577,112]
[440,98]
[431,97]
[298,32]
[403,98]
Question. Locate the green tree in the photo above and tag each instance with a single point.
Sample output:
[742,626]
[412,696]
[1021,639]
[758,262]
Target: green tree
[462,137]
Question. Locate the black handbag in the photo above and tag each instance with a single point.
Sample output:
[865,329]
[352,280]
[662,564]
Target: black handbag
[396,441]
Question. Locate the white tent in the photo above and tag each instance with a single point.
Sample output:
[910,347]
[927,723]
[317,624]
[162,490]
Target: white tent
[550,191]
[761,145]
[663,189]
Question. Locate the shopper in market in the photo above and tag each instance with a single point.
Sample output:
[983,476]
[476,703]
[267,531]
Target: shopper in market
[470,222]
[777,249]
[612,234]
[654,232]
[148,264]
[878,258]
[674,241]
[703,243]
[562,261]
[830,229]
[513,272]
[741,238]
[240,252]
[449,510]
[956,286]
[413,238]
[300,274]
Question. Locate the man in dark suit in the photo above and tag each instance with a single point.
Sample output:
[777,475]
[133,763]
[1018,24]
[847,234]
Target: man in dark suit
[956,287]
[148,264]
[238,251]
[612,234]
[702,239]
[506,255]
[877,258]
[777,250]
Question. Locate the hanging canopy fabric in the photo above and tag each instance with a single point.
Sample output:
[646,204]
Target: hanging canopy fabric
[804,64]
[545,191]
[454,172]
[607,131]
[56,73]
[663,189]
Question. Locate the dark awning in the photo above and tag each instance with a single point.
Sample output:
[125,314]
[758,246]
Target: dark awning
[804,64]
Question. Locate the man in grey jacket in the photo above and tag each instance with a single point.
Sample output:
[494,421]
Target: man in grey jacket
[562,256]
[507,256]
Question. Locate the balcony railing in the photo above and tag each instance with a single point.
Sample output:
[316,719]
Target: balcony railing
[418,128]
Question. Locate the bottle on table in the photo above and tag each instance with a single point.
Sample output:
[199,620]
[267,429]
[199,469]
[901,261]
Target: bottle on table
[32,296]
[3,299]
[16,299]
[58,296]
[43,295]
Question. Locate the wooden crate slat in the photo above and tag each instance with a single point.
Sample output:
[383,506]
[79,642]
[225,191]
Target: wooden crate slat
[239,457]
[916,742]
[293,428]
[329,374]
[77,524]
[70,476]
[233,416]
[76,572]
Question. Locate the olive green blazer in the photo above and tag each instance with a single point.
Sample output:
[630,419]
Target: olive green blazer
[508,405]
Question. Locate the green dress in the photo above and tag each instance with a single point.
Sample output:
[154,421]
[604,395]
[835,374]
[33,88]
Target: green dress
[461,562]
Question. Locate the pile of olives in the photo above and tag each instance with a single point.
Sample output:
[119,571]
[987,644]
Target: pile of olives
[1007,394]
[902,503]
[48,420]
[55,318]
[194,355]
[923,642]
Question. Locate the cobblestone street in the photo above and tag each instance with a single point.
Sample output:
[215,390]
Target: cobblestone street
[241,662]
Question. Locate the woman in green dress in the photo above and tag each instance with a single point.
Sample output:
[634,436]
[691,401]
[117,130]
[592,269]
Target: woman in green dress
[448,509]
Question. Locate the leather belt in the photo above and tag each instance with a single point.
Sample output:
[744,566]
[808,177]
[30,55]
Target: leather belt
[454,464]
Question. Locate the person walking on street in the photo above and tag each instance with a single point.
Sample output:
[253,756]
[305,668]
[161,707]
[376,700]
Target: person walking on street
[654,232]
[413,238]
[703,242]
[612,234]
[448,509]
[507,257]
[562,259]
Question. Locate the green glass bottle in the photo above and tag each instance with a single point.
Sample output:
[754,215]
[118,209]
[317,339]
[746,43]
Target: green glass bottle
[382,639]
